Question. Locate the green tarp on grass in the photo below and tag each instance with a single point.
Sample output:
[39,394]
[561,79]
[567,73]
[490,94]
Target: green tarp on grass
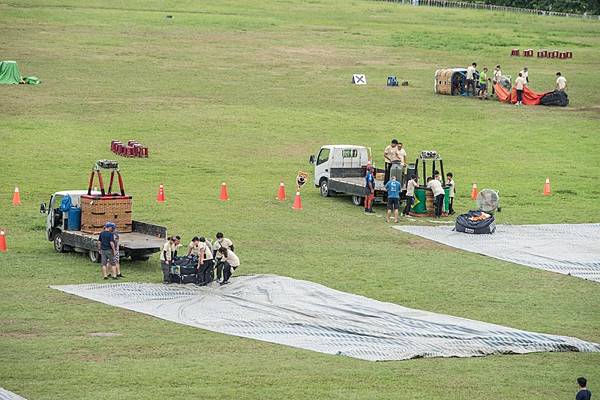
[9,72]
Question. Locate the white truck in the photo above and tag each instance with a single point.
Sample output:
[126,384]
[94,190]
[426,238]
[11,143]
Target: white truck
[341,169]
[144,240]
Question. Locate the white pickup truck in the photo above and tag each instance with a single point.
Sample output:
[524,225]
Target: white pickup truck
[341,169]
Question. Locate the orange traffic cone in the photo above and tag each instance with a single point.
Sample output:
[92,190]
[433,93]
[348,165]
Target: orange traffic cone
[281,194]
[297,202]
[2,242]
[224,195]
[160,197]
[474,192]
[547,191]
[16,197]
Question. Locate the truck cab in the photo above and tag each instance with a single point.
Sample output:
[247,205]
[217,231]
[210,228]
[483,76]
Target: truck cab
[56,219]
[337,161]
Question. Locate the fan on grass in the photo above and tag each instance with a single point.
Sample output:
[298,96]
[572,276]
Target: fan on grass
[488,201]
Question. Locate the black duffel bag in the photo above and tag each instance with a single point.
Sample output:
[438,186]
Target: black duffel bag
[465,225]
[555,98]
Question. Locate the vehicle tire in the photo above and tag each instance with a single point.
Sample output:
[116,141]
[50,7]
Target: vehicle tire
[94,256]
[59,246]
[357,200]
[324,188]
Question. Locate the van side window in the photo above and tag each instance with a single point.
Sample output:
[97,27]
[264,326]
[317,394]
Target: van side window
[323,156]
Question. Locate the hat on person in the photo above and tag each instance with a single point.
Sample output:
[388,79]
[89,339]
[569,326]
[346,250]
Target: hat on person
[110,225]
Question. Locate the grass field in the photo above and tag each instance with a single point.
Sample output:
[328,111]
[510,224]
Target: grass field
[245,92]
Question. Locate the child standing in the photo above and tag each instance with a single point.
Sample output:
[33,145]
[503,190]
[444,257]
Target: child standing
[451,192]
[410,194]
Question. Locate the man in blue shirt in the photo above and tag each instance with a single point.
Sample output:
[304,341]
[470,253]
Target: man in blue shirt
[583,393]
[106,248]
[369,189]
[393,191]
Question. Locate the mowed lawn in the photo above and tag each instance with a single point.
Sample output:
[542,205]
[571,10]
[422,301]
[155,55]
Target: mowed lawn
[244,92]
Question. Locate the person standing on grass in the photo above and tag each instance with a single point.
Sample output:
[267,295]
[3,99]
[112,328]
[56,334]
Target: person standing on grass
[393,188]
[525,74]
[411,185]
[106,248]
[451,192]
[230,262]
[166,256]
[369,189]
[391,155]
[483,80]
[438,194]
[561,82]
[205,262]
[471,70]
[221,242]
[497,78]
[117,252]
[583,393]
[520,86]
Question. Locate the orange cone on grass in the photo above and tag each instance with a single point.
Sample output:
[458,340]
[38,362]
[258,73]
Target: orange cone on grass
[547,191]
[297,202]
[16,197]
[224,194]
[2,242]
[281,194]
[474,192]
[160,197]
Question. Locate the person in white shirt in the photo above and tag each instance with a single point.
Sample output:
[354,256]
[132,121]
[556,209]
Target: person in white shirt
[438,194]
[520,86]
[451,193]
[561,82]
[411,185]
[230,263]
[205,261]
[496,78]
[221,242]
[471,70]
[525,74]
[166,256]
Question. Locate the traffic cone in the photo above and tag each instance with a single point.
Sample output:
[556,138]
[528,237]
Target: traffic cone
[474,192]
[16,197]
[2,242]
[160,197]
[281,194]
[297,202]
[547,191]
[224,195]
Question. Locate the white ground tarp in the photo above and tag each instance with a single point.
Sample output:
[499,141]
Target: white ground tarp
[570,249]
[314,317]
[6,395]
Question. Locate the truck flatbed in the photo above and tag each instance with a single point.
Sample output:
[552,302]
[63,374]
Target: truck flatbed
[358,182]
[130,240]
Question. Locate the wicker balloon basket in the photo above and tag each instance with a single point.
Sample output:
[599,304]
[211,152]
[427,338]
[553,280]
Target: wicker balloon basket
[98,210]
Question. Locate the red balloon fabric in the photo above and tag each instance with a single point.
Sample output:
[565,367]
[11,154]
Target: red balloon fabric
[529,96]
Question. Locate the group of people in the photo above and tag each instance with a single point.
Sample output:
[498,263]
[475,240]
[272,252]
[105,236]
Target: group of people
[395,164]
[217,255]
[521,81]
[108,249]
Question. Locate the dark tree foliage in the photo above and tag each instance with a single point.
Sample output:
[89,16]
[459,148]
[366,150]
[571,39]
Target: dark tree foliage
[569,6]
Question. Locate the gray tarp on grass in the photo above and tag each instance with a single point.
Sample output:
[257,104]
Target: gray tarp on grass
[314,317]
[570,249]
[6,395]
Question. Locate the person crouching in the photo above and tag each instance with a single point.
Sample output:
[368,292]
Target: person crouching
[229,262]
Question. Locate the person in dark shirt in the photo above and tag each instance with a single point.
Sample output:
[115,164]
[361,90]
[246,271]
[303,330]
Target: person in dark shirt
[106,248]
[583,393]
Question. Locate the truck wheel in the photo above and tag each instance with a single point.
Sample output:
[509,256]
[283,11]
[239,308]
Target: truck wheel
[94,256]
[357,200]
[59,246]
[324,188]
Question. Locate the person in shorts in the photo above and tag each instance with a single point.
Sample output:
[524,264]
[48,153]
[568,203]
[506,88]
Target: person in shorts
[393,188]
[106,248]
[483,82]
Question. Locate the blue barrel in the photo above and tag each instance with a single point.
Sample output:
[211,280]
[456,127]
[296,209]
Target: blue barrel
[74,219]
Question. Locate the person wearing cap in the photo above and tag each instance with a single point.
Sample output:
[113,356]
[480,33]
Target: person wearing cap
[205,261]
[220,242]
[106,248]
[395,159]
[192,249]
[369,189]
[167,255]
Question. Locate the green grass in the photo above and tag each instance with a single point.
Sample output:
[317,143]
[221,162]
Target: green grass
[244,92]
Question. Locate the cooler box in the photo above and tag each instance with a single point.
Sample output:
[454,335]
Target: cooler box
[97,210]
[74,219]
